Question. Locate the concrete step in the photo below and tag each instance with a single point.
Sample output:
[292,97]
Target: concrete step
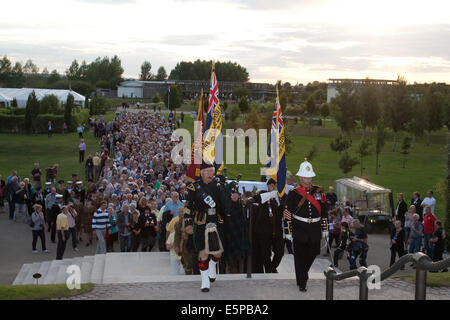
[29,278]
[43,270]
[62,274]
[52,272]
[98,268]
[22,274]
[86,269]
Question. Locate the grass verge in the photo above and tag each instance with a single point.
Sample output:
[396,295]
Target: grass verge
[39,292]
[440,279]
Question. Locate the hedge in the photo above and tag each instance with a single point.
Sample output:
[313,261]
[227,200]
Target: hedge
[16,123]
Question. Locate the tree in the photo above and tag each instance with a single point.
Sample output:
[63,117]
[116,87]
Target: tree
[340,143]
[415,124]
[368,105]
[31,112]
[14,103]
[381,135]
[68,110]
[235,112]
[283,100]
[17,79]
[325,110]
[364,151]
[397,108]
[5,70]
[162,74]
[74,72]
[243,104]
[54,77]
[156,98]
[146,74]
[434,108]
[447,194]
[310,105]
[312,153]
[346,102]
[98,105]
[49,104]
[346,163]
[176,97]
[406,145]
[240,92]
[201,70]
[30,67]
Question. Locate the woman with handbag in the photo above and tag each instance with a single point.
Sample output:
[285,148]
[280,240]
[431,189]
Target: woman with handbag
[38,227]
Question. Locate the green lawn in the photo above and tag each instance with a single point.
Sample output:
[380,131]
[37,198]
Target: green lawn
[39,292]
[441,279]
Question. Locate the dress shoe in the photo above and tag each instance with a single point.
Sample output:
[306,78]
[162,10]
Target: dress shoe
[302,289]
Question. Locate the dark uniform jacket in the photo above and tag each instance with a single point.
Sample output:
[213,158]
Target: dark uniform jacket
[302,231]
[267,222]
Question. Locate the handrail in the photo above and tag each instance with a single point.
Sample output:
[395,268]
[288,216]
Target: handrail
[421,261]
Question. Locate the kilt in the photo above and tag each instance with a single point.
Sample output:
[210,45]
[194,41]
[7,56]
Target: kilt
[198,238]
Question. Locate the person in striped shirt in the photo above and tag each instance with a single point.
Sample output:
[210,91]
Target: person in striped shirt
[100,223]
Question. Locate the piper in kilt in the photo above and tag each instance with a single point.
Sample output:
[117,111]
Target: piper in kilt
[204,221]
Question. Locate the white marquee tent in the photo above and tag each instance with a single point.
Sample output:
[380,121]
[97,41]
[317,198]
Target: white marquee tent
[7,95]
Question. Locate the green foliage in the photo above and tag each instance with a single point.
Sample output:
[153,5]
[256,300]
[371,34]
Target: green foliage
[312,153]
[364,150]
[68,111]
[49,104]
[325,110]
[368,105]
[201,70]
[176,97]
[239,92]
[243,104]
[162,74]
[14,103]
[434,109]
[310,105]
[31,112]
[156,98]
[381,136]
[225,106]
[340,143]
[406,145]
[347,112]
[283,100]
[346,163]
[146,73]
[235,112]
[397,105]
[98,105]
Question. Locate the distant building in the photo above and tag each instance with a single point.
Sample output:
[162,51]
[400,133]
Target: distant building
[333,83]
[191,88]
[7,95]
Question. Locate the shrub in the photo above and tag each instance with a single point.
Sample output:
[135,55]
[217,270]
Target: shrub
[49,104]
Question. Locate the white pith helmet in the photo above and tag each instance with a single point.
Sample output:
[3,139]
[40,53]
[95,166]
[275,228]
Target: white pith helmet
[306,170]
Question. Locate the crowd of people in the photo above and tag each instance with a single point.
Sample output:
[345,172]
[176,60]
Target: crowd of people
[134,200]
[415,229]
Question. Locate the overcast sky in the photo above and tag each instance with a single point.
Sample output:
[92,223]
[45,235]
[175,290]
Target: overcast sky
[295,41]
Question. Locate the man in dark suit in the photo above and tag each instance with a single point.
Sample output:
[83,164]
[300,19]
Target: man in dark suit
[267,231]
[401,208]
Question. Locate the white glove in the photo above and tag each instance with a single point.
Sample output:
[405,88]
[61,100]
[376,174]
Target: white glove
[324,234]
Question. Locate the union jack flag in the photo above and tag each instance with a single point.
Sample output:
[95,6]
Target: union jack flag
[213,126]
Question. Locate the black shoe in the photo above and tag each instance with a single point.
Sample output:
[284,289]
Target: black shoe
[211,280]
[205,290]
[87,244]
[302,289]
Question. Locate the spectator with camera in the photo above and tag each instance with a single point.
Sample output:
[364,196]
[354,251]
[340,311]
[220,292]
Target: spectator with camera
[38,227]
[147,222]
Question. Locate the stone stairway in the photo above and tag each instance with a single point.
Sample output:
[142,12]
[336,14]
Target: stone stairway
[139,267]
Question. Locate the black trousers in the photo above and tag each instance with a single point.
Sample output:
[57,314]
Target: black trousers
[147,243]
[40,234]
[394,251]
[61,247]
[52,226]
[336,255]
[261,252]
[12,208]
[278,252]
[304,255]
[73,233]
[333,237]
[81,152]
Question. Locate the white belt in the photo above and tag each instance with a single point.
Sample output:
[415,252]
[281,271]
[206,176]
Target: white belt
[307,220]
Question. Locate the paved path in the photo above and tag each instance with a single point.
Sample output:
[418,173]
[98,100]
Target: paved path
[255,290]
